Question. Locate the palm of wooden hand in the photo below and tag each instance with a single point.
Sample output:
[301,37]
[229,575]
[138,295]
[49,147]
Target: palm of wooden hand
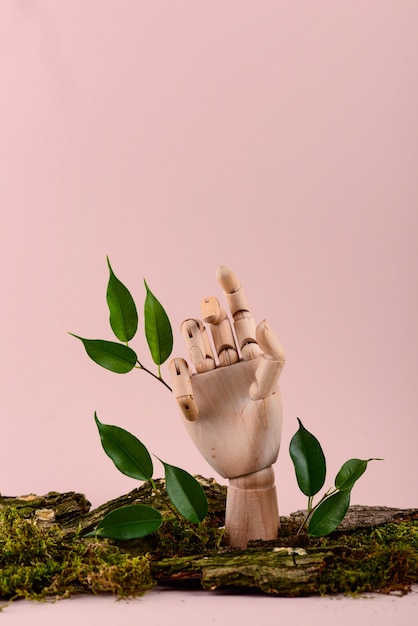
[231,406]
[236,434]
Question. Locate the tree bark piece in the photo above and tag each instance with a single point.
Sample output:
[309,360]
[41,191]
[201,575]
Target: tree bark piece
[68,508]
[358,516]
[277,571]
[215,493]
[72,511]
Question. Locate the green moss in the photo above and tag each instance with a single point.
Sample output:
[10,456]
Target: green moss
[36,563]
[176,538]
[180,538]
[384,558]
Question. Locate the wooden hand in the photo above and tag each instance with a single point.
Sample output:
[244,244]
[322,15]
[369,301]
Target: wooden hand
[231,406]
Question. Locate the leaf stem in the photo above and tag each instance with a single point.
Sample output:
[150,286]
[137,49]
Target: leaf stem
[167,500]
[142,367]
[311,508]
[305,519]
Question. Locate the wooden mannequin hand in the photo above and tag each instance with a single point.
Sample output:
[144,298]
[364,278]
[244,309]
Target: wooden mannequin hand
[231,406]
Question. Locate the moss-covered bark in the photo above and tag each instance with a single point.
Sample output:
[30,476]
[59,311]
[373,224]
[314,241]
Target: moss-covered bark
[37,562]
[383,559]
[44,552]
[67,507]
[279,571]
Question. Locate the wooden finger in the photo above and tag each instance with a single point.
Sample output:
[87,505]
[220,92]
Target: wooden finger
[182,388]
[270,366]
[198,345]
[240,311]
[220,326]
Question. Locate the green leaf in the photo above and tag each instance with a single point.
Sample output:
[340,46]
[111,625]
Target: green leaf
[129,455]
[157,328]
[113,356]
[329,514]
[123,313]
[309,461]
[185,493]
[129,522]
[350,472]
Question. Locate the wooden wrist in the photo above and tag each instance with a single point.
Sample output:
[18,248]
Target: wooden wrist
[251,508]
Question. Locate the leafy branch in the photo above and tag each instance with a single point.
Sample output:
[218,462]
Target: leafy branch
[128,453]
[132,458]
[310,467]
[123,317]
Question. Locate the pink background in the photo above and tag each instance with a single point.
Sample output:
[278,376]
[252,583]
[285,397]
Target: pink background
[277,137]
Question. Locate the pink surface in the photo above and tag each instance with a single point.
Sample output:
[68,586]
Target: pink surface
[279,138]
[207,609]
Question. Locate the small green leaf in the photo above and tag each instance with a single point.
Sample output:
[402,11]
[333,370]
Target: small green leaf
[128,522]
[308,460]
[185,493]
[129,455]
[122,309]
[157,328]
[329,514]
[350,472]
[113,356]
